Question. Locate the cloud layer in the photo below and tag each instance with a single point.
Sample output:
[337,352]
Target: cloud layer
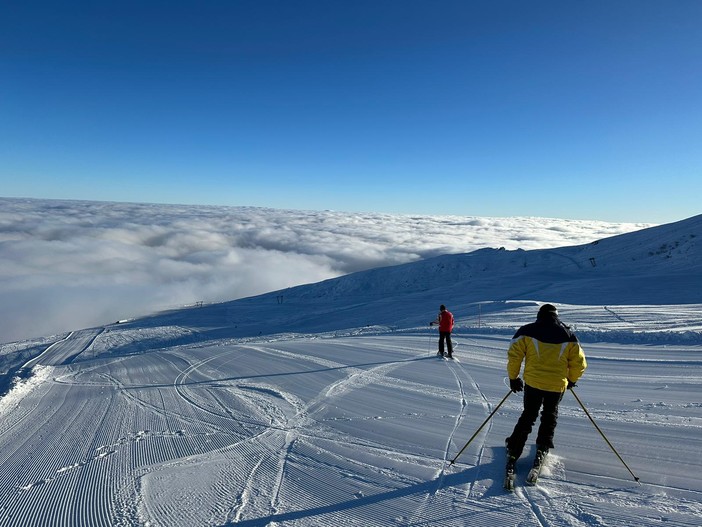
[67,265]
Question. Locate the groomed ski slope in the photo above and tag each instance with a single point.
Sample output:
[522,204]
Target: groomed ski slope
[176,421]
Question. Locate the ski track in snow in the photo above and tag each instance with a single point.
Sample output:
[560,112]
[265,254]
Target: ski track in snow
[352,430]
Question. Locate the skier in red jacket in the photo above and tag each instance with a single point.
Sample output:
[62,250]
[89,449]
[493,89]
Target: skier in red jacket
[445,322]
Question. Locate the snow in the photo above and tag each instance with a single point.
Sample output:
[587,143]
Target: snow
[330,407]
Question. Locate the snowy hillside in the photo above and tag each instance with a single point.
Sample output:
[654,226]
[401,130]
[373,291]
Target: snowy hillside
[659,265]
[326,405]
[584,273]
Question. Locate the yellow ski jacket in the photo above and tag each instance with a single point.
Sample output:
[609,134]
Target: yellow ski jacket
[551,353]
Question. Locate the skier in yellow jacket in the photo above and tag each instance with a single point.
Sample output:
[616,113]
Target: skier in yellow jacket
[553,362]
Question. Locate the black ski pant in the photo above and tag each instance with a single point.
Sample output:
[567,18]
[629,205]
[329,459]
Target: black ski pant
[445,336]
[535,400]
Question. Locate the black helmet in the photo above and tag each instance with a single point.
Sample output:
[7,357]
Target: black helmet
[442,307]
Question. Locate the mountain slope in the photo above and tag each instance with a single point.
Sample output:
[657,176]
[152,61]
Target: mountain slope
[669,254]
[214,416]
[655,266]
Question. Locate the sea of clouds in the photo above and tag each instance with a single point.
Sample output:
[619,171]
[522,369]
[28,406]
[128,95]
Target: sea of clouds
[68,265]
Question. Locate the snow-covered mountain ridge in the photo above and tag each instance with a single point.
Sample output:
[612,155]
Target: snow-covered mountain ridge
[619,277]
[614,279]
[581,274]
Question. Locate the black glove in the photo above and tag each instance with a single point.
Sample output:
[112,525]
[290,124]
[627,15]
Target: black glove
[516,385]
[571,385]
[431,323]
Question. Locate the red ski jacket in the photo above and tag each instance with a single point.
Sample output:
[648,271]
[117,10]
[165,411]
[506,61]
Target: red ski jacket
[445,321]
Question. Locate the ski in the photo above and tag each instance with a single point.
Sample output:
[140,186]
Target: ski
[535,471]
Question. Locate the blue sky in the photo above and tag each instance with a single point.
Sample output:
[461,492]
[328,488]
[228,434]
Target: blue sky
[583,110]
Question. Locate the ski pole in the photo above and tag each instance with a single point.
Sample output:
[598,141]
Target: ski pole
[431,339]
[481,427]
[603,436]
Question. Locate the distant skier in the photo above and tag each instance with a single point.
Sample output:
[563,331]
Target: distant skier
[554,361]
[445,322]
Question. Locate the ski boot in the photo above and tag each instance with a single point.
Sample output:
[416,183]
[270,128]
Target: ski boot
[535,471]
[510,470]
